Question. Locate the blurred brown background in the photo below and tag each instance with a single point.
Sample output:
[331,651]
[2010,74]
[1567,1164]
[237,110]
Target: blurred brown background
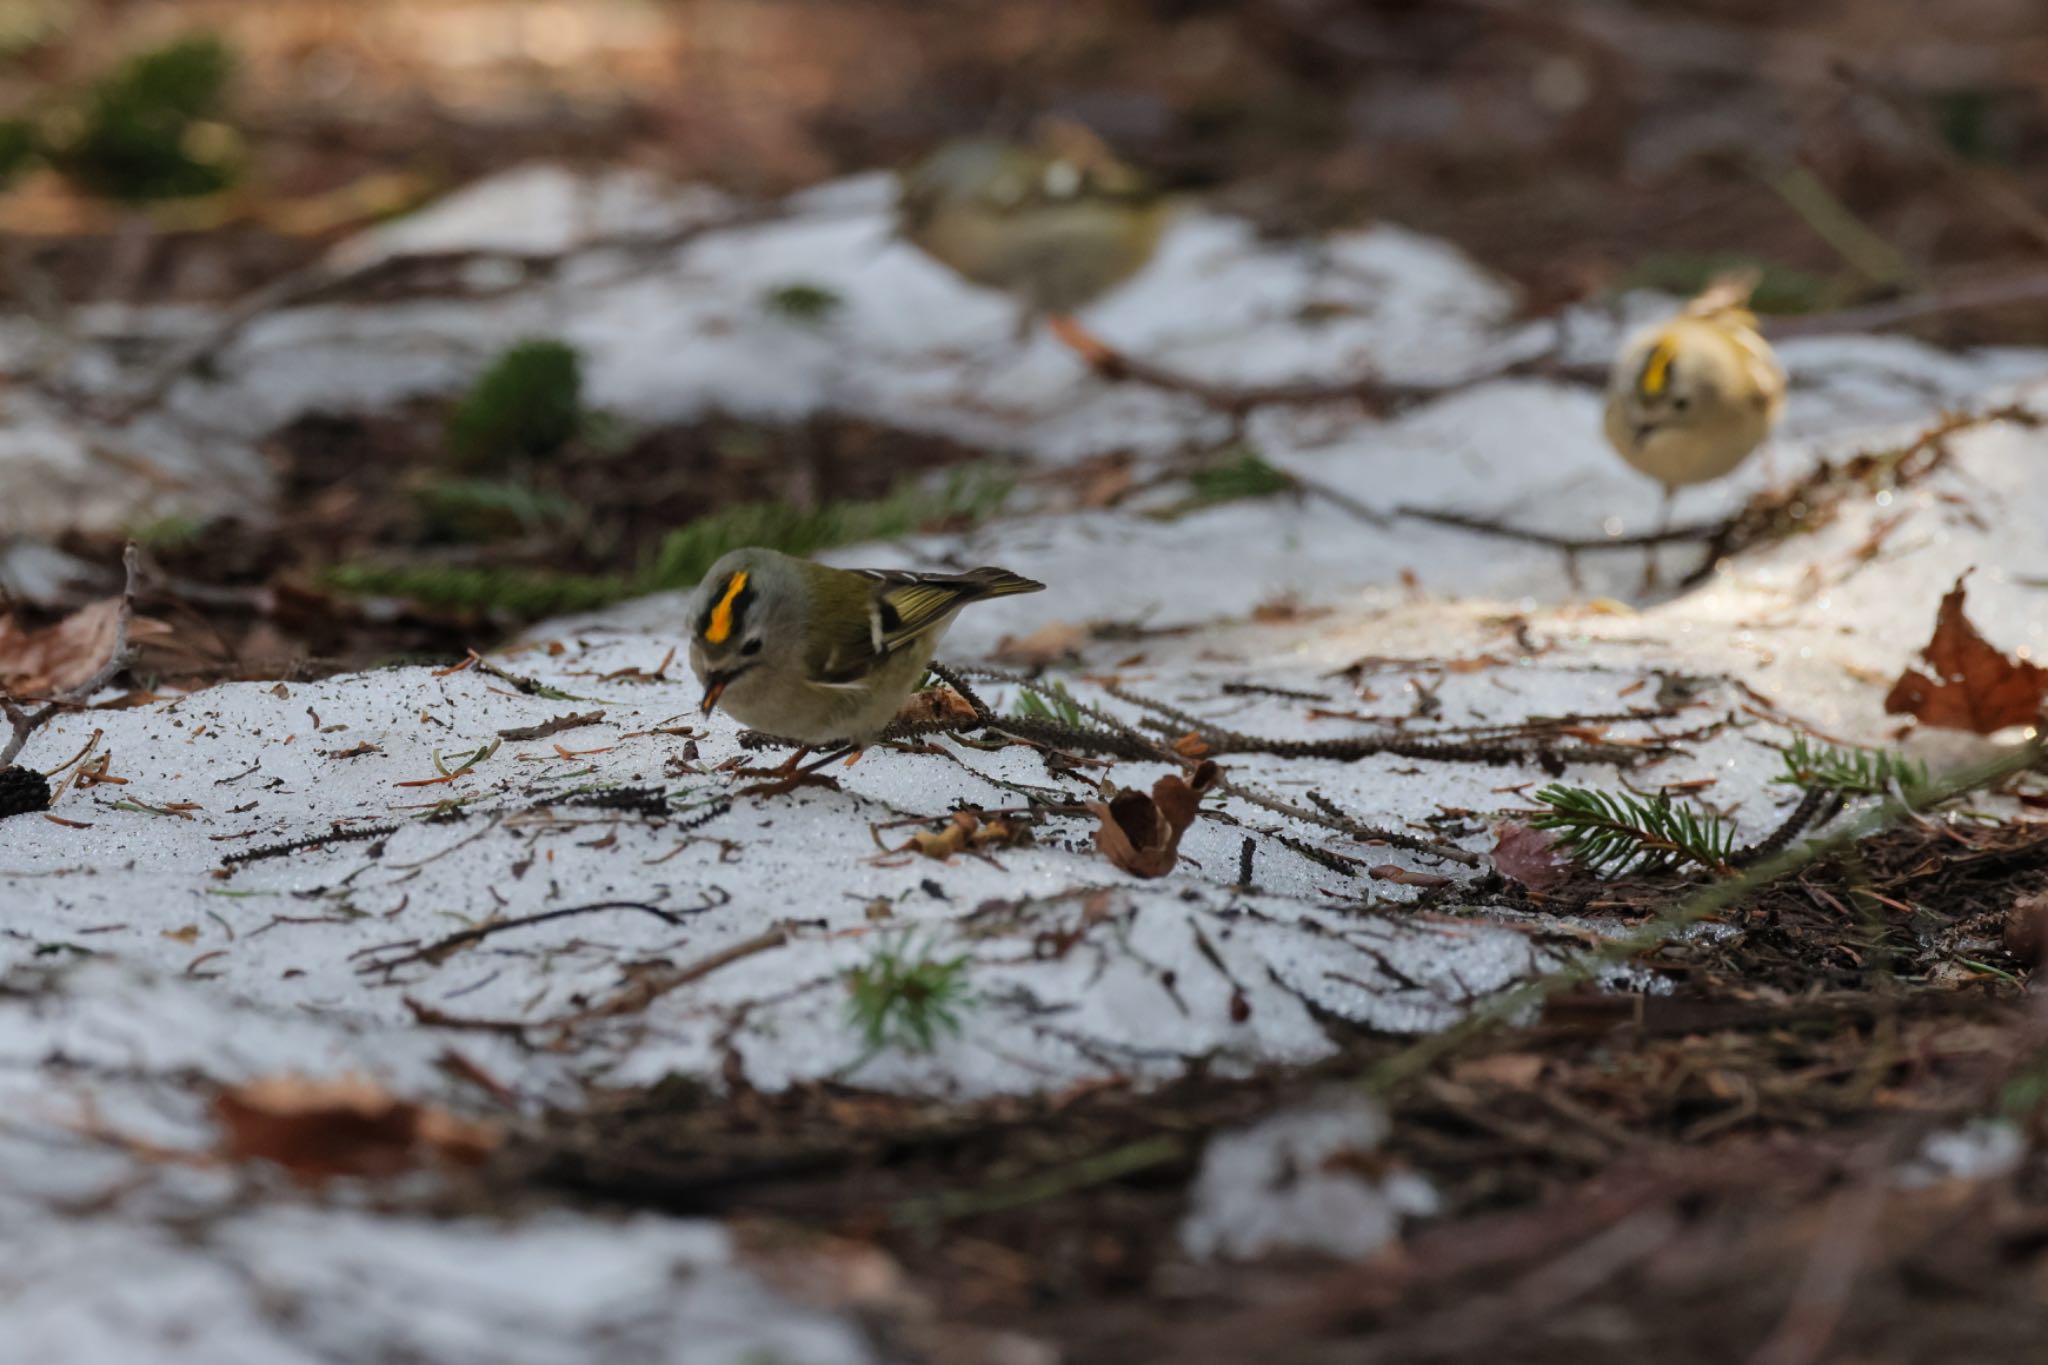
[1856,148]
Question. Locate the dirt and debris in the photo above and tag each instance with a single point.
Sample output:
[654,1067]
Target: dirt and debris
[1717,1120]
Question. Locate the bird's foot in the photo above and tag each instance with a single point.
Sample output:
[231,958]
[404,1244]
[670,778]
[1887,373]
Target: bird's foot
[790,776]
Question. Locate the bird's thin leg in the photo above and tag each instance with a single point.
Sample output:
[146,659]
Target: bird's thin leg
[835,752]
[1650,576]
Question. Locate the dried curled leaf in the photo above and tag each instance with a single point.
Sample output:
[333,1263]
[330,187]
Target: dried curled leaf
[1140,833]
[967,831]
[349,1126]
[1529,855]
[1975,686]
[934,704]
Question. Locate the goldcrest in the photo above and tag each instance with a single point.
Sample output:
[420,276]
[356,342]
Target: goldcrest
[822,655]
[1690,398]
[1056,223]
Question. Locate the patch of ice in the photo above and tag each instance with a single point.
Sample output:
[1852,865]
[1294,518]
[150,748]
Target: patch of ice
[1982,1149]
[1298,1181]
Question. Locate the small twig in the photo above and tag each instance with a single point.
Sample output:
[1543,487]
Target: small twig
[440,948]
[649,987]
[1466,521]
[1818,806]
[572,721]
[23,722]
[1497,753]
[285,850]
[1329,817]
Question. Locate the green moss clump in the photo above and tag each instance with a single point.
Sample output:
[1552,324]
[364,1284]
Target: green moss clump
[148,130]
[528,404]
[810,304]
[1246,475]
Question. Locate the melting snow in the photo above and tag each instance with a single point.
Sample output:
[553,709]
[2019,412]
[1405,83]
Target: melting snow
[150,951]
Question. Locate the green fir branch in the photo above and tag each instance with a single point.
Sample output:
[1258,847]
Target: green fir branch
[1613,832]
[1851,772]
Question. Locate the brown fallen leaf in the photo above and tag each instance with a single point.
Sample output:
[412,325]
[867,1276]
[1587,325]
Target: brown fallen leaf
[349,1126]
[52,659]
[967,831]
[1047,645]
[1140,833]
[1975,687]
[1529,855]
[935,704]
[1394,872]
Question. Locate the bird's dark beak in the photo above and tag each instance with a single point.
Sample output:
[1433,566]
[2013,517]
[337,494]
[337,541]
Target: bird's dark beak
[714,689]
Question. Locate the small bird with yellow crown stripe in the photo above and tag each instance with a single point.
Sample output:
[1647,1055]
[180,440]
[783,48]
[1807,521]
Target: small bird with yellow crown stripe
[1690,398]
[819,655]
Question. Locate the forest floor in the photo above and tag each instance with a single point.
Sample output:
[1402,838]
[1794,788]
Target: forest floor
[403,967]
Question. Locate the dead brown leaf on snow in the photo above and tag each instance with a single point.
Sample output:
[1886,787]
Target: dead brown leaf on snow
[349,1126]
[1528,855]
[1046,645]
[53,659]
[1140,833]
[1975,686]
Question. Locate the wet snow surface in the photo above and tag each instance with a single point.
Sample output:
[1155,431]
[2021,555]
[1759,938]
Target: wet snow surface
[157,941]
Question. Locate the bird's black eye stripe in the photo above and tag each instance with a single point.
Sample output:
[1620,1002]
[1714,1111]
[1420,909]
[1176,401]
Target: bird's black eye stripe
[752,646]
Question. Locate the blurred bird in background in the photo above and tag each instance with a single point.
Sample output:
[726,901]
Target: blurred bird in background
[1055,223]
[1689,399]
